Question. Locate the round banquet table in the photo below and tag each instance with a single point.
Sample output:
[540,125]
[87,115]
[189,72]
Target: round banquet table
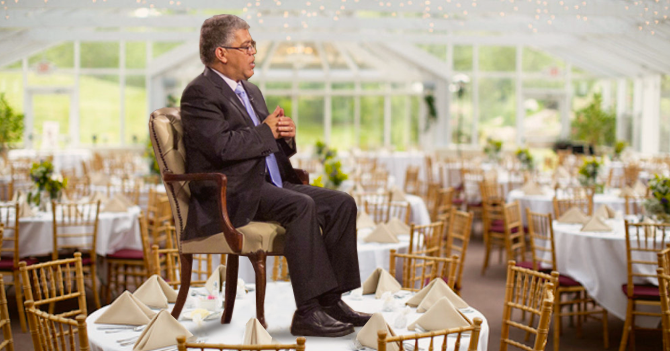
[279,308]
[116,230]
[545,203]
[598,261]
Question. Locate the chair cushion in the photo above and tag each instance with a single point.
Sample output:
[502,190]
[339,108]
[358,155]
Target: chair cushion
[566,280]
[266,236]
[500,228]
[643,291]
[127,254]
[86,261]
[7,264]
[457,201]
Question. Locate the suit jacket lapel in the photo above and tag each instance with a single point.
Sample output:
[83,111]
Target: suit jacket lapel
[228,94]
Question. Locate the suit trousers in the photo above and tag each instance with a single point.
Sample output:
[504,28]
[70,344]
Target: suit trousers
[320,245]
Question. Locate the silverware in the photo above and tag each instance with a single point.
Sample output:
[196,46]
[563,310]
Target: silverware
[131,328]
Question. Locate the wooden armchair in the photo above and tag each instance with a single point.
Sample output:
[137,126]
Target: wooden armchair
[420,270]
[8,341]
[383,339]
[255,240]
[51,332]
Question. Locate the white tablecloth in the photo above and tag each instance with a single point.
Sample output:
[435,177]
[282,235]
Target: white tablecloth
[279,308]
[62,159]
[116,230]
[598,261]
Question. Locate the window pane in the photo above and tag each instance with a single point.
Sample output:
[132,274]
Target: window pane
[343,135]
[372,122]
[136,110]
[99,109]
[497,58]
[278,85]
[544,83]
[11,84]
[539,61]
[62,56]
[665,114]
[497,110]
[100,55]
[414,122]
[51,108]
[272,101]
[542,123]
[136,54]
[312,86]
[161,47]
[310,120]
[462,58]
[399,122]
[343,86]
[55,79]
[439,51]
[461,115]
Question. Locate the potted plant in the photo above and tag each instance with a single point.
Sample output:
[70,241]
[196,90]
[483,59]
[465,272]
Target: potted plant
[11,126]
[594,125]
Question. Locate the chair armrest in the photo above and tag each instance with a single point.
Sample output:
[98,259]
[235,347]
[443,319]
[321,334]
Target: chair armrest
[233,237]
[303,175]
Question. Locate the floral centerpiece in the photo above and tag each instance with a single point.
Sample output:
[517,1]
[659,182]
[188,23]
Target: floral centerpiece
[334,175]
[323,152]
[588,174]
[659,203]
[46,183]
[492,149]
[524,156]
[619,148]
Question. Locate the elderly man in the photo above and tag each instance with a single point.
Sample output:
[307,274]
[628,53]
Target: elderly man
[228,129]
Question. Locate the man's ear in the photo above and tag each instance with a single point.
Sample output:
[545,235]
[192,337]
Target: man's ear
[221,55]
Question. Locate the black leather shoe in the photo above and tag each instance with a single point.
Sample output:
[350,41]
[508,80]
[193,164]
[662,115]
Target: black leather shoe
[343,313]
[318,323]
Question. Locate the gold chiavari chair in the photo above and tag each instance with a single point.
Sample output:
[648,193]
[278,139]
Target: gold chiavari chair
[360,197]
[425,239]
[131,189]
[664,293]
[55,281]
[126,263]
[78,187]
[510,236]
[401,210]
[182,345]
[8,341]
[382,209]
[443,204]
[375,180]
[412,184]
[456,239]
[280,269]
[631,173]
[419,270]
[54,333]
[75,228]
[159,213]
[583,203]
[615,179]
[643,243]
[474,330]
[528,291]
[9,219]
[202,266]
[634,205]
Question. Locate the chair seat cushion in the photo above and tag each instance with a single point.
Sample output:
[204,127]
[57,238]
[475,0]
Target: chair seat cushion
[457,201]
[566,280]
[127,254]
[265,236]
[500,228]
[643,291]
[7,264]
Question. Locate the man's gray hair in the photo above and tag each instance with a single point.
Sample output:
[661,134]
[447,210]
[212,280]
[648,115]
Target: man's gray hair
[218,31]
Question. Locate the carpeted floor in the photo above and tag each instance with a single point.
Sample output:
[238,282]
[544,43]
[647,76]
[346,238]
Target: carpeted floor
[486,293]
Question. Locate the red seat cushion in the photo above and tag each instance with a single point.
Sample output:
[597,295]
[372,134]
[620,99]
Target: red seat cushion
[7,264]
[643,291]
[566,280]
[499,228]
[457,201]
[475,204]
[86,261]
[128,254]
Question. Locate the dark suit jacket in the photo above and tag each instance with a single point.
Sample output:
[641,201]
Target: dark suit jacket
[220,137]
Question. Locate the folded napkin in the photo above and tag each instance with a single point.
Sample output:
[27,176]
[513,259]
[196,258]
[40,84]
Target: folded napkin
[358,188]
[98,179]
[156,293]
[379,282]
[364,220]
[605,211]
[126,309]
[443,315]
[381,234]
[24,207]
[123,198]
[255,334]
[627,191]
[574,215]
[160,333]
[215,281]
[397,194]
[397,227]
[368,335]
[561,172]
[115,204]
[640,189]
[532,188]
[98,196]
[431,293]
[596,224]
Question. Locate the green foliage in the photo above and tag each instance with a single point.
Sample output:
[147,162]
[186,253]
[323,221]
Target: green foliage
[151,158]
[432,111]
[42,174]
[659,203]
[594,125]
[11,124]
[493,148]
[334,173]
[318,181]
[588,172]
[323,152]
[619,147]
[526,158]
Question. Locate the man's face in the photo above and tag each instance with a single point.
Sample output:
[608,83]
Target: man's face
[240,61]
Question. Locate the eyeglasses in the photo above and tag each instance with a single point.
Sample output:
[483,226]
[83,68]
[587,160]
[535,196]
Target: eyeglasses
[249,48]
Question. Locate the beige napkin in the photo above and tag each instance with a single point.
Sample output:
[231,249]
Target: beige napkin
[126,309]
[161,332]
[561,172]
[98,179]
[24,207]
[532,188]
[215,281]
[125,200]
[98,196]
[397,194]
[368,334]
[443,315]
[640,189]
[397,227]
[156,293]
[358,188]
[431,293]
[605,211]
[596,224]
[627,191]
[115,204]
[574,216]
[255,334]
[364,221]
[379,282]
[381,234]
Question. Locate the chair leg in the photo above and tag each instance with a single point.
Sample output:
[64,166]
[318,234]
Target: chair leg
[19,299]
[232,264]
[606,335]
[258,262]
[487,241]
[185,275]
[94,285]
[626,326]
[557,321]
[110,282]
